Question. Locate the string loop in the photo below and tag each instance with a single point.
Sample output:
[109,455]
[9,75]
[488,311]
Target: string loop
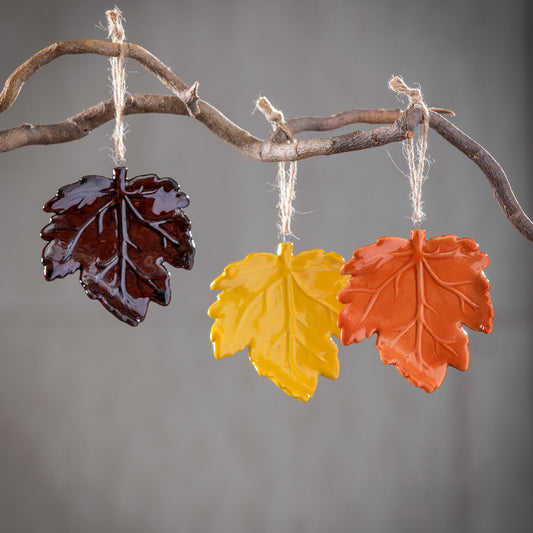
[416,168]
[118,74]
[285,181]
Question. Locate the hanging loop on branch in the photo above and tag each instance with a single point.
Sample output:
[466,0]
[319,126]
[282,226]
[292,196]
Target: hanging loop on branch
[285,181]
[416,168]
[118,76]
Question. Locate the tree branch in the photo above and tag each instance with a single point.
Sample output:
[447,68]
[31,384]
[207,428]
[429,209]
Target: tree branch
[81,124]
[501,187]
[401,125]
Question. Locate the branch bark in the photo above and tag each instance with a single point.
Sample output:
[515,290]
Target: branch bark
[400,125]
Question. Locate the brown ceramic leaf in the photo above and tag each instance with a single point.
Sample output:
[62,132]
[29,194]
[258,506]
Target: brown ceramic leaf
[118,232]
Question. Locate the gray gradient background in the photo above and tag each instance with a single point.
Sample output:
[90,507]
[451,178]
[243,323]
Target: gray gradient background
[112,429]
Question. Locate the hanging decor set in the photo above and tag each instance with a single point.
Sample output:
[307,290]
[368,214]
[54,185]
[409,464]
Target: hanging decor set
[415,294]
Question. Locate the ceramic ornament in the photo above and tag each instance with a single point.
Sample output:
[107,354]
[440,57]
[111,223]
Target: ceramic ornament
[283,307]
[416,294]
[118,232]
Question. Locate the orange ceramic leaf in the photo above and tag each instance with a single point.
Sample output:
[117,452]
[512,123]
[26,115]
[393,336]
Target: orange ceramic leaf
[416,295]
[284,308]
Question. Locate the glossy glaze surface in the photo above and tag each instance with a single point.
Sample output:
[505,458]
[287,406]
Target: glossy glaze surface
[416,294]
[284,308]
[118,232]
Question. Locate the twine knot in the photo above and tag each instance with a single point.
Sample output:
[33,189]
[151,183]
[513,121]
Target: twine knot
[414,94]
[274,116]
[115,28]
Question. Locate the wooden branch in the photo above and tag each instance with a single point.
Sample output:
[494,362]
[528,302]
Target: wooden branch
[501,187]
[81,124]
[401,125]
[104,48]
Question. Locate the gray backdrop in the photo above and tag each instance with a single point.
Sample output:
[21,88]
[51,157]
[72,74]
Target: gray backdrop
[108,428]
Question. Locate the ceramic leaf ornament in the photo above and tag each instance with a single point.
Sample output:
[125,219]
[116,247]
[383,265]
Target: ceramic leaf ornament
[284,308]
[118,233]
[416,294]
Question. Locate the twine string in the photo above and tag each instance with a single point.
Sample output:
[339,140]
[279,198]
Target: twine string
[285,181]
[416,163]
[118,76]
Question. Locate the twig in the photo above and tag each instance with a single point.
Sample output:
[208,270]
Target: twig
[273,149]
[81,124]
[493,171]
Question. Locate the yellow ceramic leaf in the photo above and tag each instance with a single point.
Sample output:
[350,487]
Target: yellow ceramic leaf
[284,308]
